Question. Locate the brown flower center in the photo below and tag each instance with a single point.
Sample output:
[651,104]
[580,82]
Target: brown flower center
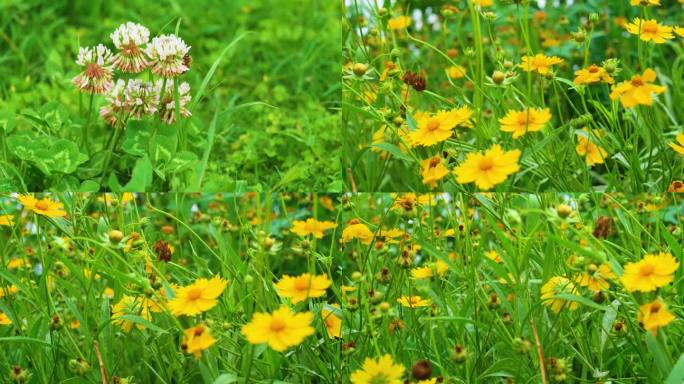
[655,307]
[433,125]
[94,70]
[194,294]
[43,205]
[637,82]
[646,270]
[486,164]
[302,284]
[277,325]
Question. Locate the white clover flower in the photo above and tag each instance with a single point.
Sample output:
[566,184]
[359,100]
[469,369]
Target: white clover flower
[129,39]
[167,107]
[116,102]
[97,76]
[141,98]
[168,55]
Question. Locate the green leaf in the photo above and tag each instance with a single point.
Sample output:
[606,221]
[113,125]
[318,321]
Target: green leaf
[394,150]
[7,121]
[163,148]
[226,378]
[62,156]
[143,322]
[141,179]
[181,161]
[136,137]
[676,376]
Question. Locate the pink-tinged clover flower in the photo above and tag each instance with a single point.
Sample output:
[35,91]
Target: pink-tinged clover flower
[97,76]
[168,55]
[129,39]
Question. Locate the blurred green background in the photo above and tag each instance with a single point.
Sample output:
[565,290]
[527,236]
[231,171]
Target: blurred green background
[289,60]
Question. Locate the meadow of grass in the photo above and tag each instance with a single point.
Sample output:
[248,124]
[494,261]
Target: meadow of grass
[263,78]
[553,86]
[450,288]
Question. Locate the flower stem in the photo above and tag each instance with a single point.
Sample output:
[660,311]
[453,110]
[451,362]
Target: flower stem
[86,127]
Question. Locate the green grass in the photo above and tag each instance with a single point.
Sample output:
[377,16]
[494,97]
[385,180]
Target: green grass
[264,81]
[495,39]
[245,239]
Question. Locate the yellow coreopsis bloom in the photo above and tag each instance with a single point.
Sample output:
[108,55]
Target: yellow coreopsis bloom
[644,2]
[433,170]
[592,75]
[198,297]
[652,272]
[555,286]
[586,147]
[679,145]
[135,306]
[413,301]
[281,329]
[11,290]
[484,3]
[439,268]
[638,90]
[399,22]
[650,30]
[333,324]
[6,220]
[596,278]
[356,230]
[435,128]
[654,315]
[539,63]
[489,168]
[312,227]
[382,370]
[196,339]
[44,207]
[456,71]
[676,186]
[4,319]
[528,120]
[302,287]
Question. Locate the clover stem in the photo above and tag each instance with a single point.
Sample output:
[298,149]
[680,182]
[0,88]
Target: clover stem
[86,127]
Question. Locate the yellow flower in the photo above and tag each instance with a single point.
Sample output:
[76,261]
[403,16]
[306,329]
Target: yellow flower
[456,72]
[596,278]
[356,230]
[312,227]
[494,255]
[539,63]
[555,286]
[484,3]
[17,262]
[433,170]
[11,290]
[652,272]
[399,22]
[333,324]
[439,268]
[435,128]
[196,339]
[489,168]
[521,122]
[134,306]
[6,220]
[585,147]
[302,287]
[4,320]
[650,30]
[197,297]
[382,370]
[112,199]
[408,201]
[679,146]
[45,207]
[679,31]
[413,301]
[281,330]
[644,2]
[676,186]
[592,75]
[638,90]
[654,315]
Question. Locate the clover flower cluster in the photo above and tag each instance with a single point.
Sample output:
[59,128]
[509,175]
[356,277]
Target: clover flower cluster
[166,56]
